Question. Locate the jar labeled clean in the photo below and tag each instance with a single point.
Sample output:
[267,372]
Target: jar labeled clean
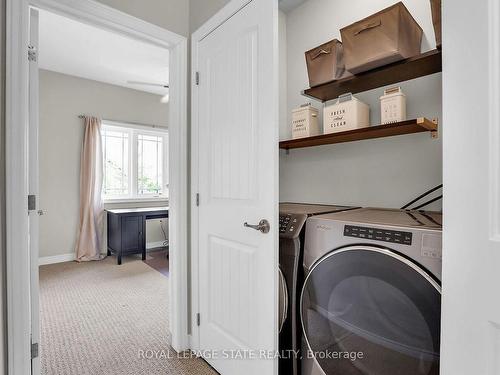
[346,113]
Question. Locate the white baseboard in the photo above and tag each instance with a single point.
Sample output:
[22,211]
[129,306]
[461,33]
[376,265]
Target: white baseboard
[153,245]
[71,256]
[56,259]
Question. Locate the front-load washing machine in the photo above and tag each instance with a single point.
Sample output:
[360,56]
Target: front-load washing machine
[371,299]
[292,219]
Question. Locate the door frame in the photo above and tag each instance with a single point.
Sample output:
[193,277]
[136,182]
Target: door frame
[213,23]
[17,229]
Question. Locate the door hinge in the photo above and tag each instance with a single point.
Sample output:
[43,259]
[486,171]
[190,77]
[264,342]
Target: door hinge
[198,319]
[197,78]
[32,54]
[34,350]
[31,202]
[197,199]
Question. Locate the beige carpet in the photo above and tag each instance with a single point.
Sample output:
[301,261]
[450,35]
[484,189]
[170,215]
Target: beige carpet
[100,318]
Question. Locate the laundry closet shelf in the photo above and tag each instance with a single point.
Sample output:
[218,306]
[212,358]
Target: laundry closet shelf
[404,70]
[418,125]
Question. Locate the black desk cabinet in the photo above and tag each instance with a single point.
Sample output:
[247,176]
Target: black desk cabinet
[127,230]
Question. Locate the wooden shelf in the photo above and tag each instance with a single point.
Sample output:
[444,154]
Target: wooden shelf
[414,67]
[418,125]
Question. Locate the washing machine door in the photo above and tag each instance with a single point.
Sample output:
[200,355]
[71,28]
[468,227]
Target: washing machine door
[367,310]
[283,300]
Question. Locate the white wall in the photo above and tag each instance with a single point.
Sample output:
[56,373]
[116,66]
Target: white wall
[201,10]
[383,172]
[62,99]
[283,71]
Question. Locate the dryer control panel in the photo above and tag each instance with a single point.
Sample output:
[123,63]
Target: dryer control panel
[291,224]
[377,234]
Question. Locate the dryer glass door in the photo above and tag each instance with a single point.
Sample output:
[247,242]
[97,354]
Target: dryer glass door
[367,310]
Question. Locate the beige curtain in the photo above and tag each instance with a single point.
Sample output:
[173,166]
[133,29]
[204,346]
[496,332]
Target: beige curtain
[89,239]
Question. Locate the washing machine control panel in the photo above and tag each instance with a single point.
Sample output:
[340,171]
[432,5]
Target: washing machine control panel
[378,234]
[291,224]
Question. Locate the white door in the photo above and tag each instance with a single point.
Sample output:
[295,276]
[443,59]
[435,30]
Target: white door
[471,165]
[33,188]
[235,112]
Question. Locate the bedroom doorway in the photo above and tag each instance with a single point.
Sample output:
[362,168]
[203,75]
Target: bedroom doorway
[100,128]
[137,151]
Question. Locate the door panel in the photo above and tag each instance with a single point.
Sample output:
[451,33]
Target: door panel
[231,289]
[232,119]
[237,137]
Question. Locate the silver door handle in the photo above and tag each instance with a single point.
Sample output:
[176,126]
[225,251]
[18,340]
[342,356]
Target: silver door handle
[263,226]
[40,212]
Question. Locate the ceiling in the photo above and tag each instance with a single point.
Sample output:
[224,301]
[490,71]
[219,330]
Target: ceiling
[74,48]
[289,5]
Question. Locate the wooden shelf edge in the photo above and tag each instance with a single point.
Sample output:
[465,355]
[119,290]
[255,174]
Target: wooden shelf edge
[414,67]
[418,125]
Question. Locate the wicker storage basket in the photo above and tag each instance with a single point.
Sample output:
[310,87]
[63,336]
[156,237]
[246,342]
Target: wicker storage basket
[382,38]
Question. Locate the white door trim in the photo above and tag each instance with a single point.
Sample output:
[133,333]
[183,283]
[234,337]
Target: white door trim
[494,117]
[17,262]
[213,23]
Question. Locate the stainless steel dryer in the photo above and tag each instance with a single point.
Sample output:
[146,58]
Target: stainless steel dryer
[371,300]
[292,219]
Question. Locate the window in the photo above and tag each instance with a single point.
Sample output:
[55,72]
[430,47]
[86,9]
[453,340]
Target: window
[149,164]
[115,146]
[135,162]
